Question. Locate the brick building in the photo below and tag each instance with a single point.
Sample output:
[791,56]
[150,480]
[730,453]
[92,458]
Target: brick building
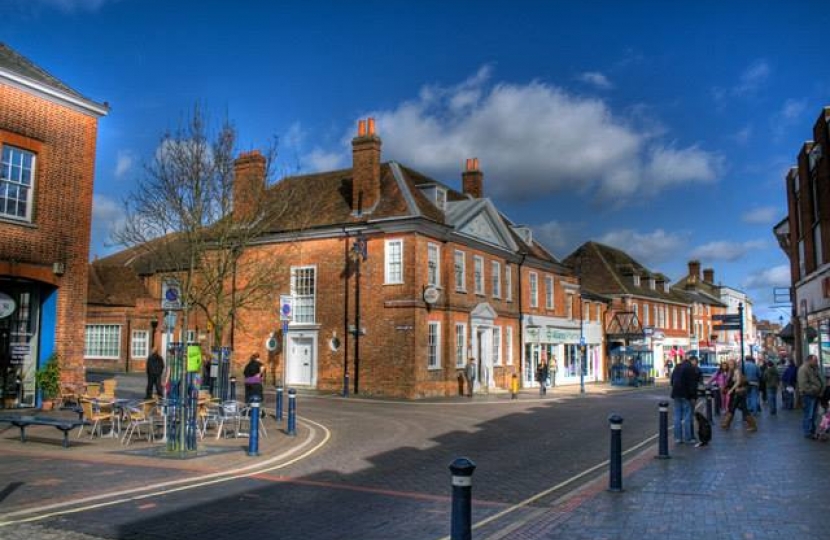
[398,280]
[705,298]
[805,237]
[48,135]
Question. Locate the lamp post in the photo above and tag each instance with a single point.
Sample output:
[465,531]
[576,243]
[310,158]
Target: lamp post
[581,346]
[358,254]
[533,330]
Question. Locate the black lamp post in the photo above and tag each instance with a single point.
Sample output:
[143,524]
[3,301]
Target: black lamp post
[358,254]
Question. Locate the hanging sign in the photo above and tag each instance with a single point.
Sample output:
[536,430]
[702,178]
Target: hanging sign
[7,305]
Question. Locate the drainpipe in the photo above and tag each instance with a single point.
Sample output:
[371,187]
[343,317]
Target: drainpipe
[521,318]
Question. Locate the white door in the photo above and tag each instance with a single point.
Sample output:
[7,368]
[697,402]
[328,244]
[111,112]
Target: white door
[301,362]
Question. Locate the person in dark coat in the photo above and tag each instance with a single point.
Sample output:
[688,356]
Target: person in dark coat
[542,374]
[683,390]
[254,373]
[155,368]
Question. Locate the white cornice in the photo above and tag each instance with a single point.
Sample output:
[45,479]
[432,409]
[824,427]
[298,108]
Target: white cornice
[52,94]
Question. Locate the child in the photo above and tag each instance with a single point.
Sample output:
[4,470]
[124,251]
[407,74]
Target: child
[824,426]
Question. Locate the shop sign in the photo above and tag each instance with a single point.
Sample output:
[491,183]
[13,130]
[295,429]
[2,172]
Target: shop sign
[7,305]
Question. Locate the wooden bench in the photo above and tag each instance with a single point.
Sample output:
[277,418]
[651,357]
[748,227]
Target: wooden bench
[64,424]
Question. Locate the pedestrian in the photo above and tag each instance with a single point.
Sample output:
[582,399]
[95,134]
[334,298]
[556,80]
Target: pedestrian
[772,380]
[254,374]
[753,378]
[154,368]
[718,383]
[789,380]
[552,367]
[542,374]
[470,376]
[738,392]
[683,387]
[810,387]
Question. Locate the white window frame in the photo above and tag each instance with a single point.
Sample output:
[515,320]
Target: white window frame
[191,336]
[433,265]
[569,306]
[508,346]
[478,274]
[305,302]
[433,345]
[140,344]
[497,345]
[12,175]
[646,313]
[460,344]
[549,284]
[460,269]
[393,262]
[534,289]
[508,282]
[107,341]
[495,270]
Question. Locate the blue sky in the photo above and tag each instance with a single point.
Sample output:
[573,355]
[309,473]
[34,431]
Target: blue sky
[664,129]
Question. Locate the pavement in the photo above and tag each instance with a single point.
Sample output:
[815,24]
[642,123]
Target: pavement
[767,484]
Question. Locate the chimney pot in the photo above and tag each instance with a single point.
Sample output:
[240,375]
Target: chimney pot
[361,128]
[371,126]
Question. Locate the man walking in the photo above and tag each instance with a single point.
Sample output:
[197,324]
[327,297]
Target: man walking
[470,375]
[753,378]
[683,389]
[155,367]
[810,386]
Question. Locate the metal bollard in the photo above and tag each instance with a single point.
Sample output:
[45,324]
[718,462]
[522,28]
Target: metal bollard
[292,412]
[709,404]
[663,444]
[345,385]
[279,404]
[615,462]
[233,389]
[253,432]
[462,497]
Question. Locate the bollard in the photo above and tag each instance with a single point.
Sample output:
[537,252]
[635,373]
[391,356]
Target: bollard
[279,404]
[709,404]
[253,432]
[514,386]
[292,412]
[462,490]
[233,389]
[346,385]
[615,462]
[663,444]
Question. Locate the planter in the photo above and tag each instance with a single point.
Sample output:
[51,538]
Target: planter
[47,405]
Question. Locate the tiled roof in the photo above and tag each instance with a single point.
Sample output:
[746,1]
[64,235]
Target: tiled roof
[114,285]
[19,64]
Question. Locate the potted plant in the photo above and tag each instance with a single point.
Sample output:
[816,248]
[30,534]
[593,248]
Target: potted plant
[48,379]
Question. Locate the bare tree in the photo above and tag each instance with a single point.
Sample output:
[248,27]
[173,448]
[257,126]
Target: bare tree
[182,220]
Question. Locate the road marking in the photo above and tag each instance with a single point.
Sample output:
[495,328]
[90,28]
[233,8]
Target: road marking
[530,500]
[164,488]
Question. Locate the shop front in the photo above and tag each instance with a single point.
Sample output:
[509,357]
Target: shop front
[557,342]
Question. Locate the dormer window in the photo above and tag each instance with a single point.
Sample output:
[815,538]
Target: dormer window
[525,233]
[437,195]
[636,279]
[652,284]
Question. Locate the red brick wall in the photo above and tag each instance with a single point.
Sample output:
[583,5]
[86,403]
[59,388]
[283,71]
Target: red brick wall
[64,141]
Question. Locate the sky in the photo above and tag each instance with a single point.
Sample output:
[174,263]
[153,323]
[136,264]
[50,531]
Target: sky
[663,129]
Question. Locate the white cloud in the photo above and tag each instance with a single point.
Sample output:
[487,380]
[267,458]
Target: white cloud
[777,276]
[649,249]
[743,135]
[320,160]
[123,163]
[752,78]
[596,79]
[793,109]
[723,250]
[107,216]
[558,237]
[764,215]
[532,139]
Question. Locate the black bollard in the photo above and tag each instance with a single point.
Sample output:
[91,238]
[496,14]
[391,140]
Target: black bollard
[461,525]
[615,463]
[291,429]
[709,404]
[233,389]
[279,404]
[663,444]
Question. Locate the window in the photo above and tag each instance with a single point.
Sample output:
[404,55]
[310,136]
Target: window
[508,282]
[394,262]
[586,311]
[534,290]
[636,311]
[683,319]
[478,274]
[433,265]
[103,341]
[674,317]
[495,270]
[656,317]
[646,312]
[304,289]
[191,336]
[599,313]
[549,292]
[460,344]
[16,183]
[569,306]
[508,346]
[497,346]
[460,271]
[636,280]
[140,344]
[434,345]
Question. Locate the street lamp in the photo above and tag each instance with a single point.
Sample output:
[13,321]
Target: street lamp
[358,254]
[581,346]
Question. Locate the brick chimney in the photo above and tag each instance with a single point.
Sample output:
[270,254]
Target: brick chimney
[694,271]
[472,179]
[709,275]
[365,168]
[248,184]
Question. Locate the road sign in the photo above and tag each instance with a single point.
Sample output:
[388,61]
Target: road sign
[286,307]
[171,294]
[726,326]
[727,318]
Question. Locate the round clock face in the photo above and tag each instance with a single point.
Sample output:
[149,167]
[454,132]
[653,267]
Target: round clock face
[171,295]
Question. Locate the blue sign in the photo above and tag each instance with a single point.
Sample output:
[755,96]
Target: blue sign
[582,341]
[284,327]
